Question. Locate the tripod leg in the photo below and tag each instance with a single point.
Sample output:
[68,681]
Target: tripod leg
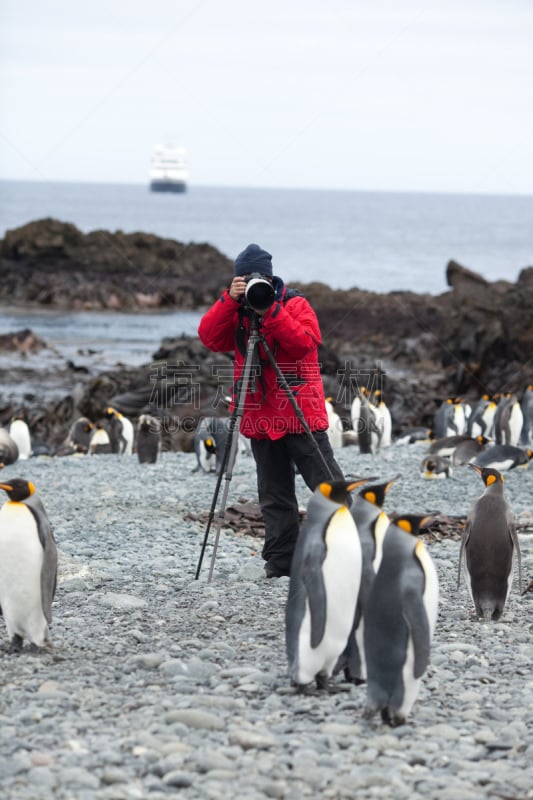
[231,446]
[215,494]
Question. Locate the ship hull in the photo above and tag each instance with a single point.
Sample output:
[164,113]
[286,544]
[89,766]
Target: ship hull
[168,186]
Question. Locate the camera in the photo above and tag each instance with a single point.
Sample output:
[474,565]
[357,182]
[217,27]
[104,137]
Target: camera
[259,293]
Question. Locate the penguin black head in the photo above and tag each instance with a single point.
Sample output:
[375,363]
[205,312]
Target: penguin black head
[339,491]
[110,412]
[375,494]
[488,475]
[411,523]
[18,489]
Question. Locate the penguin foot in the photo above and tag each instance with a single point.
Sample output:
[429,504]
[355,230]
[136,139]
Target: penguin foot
[334,688]
[322,682]
[303,688]
[349,678]
[368,712]
[15,645]
[47,647]
[393,720]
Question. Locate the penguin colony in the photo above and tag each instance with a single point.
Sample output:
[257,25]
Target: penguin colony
[495,433]
[363,591]
[112,433]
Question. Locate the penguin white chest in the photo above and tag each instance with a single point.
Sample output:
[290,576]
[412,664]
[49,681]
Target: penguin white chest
[128,434]
[21,561]
[19,432]
[341,570]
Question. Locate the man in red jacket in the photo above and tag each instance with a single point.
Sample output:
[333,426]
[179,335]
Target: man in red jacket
[290,329]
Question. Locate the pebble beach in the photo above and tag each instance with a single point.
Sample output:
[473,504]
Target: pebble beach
[159,685]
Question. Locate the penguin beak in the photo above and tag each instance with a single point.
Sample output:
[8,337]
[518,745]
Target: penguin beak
[475,468]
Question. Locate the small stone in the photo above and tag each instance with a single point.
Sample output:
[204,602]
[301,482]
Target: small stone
[178,779]
[121,602]
[250,740]
[41,759]
[195,719]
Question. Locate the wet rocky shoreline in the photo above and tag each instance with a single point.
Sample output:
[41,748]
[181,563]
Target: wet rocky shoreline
[476,338]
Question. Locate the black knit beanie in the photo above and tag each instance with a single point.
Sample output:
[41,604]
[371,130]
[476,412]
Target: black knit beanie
[253,259]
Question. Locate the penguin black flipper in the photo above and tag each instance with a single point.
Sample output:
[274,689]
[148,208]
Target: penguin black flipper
[315,589]
[516,543]
[416,618]
[49,568]
[464,540]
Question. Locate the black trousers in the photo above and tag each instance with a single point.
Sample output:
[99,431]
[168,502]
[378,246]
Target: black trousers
[276,488]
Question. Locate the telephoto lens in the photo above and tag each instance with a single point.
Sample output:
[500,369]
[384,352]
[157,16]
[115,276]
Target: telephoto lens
[259,293]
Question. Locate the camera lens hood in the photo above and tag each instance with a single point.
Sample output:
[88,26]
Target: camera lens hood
[259,294]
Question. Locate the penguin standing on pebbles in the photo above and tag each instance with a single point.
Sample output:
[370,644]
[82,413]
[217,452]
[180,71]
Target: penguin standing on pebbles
[148,439]
[20,433]
[324,585]
[400,618]
[9,451]
[488,547]
[334,425]
[210,441]
[99,442]
[121,432]
[28,565]
[372,524]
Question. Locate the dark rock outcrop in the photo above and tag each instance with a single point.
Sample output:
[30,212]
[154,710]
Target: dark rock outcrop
[52,263]
[476,338]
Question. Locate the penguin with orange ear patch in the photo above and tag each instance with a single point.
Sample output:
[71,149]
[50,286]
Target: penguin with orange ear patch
[372,525]
[400,617]
[210,441]
[488,547]
[324,585]
[28,565]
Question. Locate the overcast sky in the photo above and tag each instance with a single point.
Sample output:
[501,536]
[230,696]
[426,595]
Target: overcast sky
[432,95]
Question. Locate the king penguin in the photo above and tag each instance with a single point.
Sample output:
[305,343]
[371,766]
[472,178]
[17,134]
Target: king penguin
[99,442]
[400,618]
[148,439]
[384,419]
[370,427]
[324,585]
[480,422]
[435,467]
[503,457]
[372,524]
[28,565]
[526,435]
[9,451]
[334,425]
[121,433]
[488,547]
[20,433]
[79,435]
[210,441]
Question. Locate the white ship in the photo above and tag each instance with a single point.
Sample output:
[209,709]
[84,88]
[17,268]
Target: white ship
[168,170]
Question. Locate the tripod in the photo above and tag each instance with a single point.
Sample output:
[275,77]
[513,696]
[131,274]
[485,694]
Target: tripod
[228,460]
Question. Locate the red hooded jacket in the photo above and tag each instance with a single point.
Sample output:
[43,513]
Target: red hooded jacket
[290,329]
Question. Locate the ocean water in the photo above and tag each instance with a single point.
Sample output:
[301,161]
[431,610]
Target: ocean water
[378,241]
